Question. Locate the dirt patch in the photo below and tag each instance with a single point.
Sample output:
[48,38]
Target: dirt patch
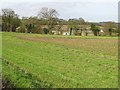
[105,44]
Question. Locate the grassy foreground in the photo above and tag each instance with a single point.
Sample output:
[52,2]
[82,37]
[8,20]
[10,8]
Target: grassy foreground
[33,60]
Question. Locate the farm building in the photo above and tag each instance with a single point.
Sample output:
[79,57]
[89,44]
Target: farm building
[66,33]
[56,32]
[83,30]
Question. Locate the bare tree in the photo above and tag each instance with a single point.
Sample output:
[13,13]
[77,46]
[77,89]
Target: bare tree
[49,15]
[10,20]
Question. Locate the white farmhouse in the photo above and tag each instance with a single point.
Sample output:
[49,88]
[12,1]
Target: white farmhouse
[66,33]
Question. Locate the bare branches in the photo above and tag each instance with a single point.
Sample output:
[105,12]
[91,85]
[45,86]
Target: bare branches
[50,15]
[46,13]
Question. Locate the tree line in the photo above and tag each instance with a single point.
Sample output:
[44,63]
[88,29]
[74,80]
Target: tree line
[47,21]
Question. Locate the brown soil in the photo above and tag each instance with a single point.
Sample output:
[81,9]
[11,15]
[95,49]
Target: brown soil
[107,44]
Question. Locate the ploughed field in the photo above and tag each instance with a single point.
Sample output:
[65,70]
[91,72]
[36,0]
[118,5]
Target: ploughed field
[55,61]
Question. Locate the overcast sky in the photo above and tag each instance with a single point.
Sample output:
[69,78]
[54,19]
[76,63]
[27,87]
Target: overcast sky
[90,10]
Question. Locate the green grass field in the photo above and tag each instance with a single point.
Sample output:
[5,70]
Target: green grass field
[38,61]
